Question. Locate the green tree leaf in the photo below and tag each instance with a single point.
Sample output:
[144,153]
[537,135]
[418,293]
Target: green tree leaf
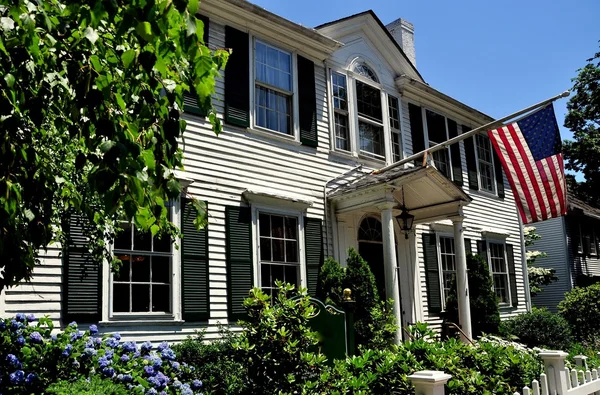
[91,34]
[144,29]
[128,57]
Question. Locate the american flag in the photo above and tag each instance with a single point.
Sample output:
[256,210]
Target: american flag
[530,152]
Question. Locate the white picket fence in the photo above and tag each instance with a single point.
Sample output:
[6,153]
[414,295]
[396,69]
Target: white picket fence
[557,379]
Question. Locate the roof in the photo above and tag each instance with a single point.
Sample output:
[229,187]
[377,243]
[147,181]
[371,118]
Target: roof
[382,26]
[578,204]
[372,179]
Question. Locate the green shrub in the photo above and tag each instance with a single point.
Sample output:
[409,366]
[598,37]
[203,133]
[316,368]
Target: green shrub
[581,309]
[485,316]
[374,322]
[274,346]
[538,328]
[95,386]
[216,362]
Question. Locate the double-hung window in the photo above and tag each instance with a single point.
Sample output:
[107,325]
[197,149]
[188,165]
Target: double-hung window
[447,264]
[370,120]
[339,86]
[499,270]
[279,250]
[394,115]
[273,88]
[143,283]
[485,163]
[437,133]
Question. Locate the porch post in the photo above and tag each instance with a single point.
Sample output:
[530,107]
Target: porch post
[392,282]
[462,281]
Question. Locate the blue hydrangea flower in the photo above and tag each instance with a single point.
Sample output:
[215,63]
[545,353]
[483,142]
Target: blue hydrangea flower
[162,393]
[151,391]
[20,317]
[30,318]
[196,384]
[186,390]
[129,347]
[163,346]
[109,354]
[21,341]
[67,351]
[17,377]
[156,362]
[146,346]
[93,329]
[30,377]
[2,325]
[117,335]
[90,352]
[14,361]
[14,325]
[175,365]
[89,343]
[73,324]
[149,370]
[98,341]
[76,335]
[168,354]
[108,372]
[176,384]
[136,354]
[103,362]
[127,378]
[112,342]
[124,358]
[36,337]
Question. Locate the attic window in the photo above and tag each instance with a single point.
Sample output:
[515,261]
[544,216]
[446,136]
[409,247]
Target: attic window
[365,71]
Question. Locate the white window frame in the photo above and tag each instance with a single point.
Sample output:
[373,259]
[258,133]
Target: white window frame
[489,243]
[295,136]
[353,117]
[108,316]
[438,236]
[260,208]
[428,145]
[494,191]
[394,131]
[341,112]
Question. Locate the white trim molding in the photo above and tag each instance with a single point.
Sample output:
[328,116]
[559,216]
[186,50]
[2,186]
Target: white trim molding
[270,198]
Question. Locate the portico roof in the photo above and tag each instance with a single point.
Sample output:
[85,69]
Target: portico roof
[424,191]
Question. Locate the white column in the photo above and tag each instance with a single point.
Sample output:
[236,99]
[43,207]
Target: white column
[462,281]
[429,382]
[392,281]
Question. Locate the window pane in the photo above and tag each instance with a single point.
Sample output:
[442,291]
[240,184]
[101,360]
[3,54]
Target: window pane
[278,252]
[162,243]
[123,239]
[277,226]
[291,275]
[273,110]
[436,127]
[140,269]
[161,298]
[142,241]
[291,251]
[265,275]
[365,71]
[277,273]
[273,66]
[441,160]
[161,269]
[485,160]
[140,298]
[371,140]
[394,112]
[264,221]
[121,298]
[342,140]
[396,147]
[265,249]
[123,274]
[340,92]
[291,227]
[368,101]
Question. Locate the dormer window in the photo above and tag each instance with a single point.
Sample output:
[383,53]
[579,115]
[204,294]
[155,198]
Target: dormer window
[366,120]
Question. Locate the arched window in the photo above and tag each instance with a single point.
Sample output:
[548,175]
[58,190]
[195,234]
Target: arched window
[365,71]
[370,230]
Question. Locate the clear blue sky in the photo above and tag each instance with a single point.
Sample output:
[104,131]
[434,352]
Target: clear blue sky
[496,56]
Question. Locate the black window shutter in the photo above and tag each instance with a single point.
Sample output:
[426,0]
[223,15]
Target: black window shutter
[194,265]
[237,78]
[455,154]
[313,243]
[471,161]
[468,248]
[307,102]
[482,250]
[190,102]
[512,274]
[432,273]
[416,129]
[238,233]
[499,175]
[82,277]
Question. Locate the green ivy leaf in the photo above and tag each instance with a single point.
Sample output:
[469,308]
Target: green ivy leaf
[144,30]
[193,6]
[128,57]
[190,23]
[149,160]
[91,34]
[10,80]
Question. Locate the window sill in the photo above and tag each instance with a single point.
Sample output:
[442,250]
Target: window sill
[144,320]
[257,130]
[489,194]
[344,154]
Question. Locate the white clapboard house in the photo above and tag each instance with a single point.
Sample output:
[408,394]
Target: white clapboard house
[309,113]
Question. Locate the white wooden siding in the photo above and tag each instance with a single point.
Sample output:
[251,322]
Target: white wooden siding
[553,243]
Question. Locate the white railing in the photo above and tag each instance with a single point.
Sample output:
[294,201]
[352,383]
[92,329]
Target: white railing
[557,379]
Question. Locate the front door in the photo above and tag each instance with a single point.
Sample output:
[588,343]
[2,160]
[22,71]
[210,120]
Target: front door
[373,254]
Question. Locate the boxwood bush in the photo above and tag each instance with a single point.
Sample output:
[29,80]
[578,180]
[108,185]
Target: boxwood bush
[32,358]
[581,309]
[538,328]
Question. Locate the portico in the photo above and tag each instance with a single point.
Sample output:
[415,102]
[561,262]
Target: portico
[365,217]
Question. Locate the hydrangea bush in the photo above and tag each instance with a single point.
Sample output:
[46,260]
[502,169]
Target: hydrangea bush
[32,358]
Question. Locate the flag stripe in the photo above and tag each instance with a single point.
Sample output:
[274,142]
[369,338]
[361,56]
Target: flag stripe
[548,186]
[562,182]
[527,159]
[515,177]
[553,169]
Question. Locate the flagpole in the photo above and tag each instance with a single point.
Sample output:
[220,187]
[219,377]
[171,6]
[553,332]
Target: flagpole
[473,132]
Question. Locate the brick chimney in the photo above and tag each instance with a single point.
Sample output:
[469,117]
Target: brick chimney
[404,33]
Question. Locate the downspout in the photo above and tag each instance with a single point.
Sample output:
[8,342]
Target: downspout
[327,207]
